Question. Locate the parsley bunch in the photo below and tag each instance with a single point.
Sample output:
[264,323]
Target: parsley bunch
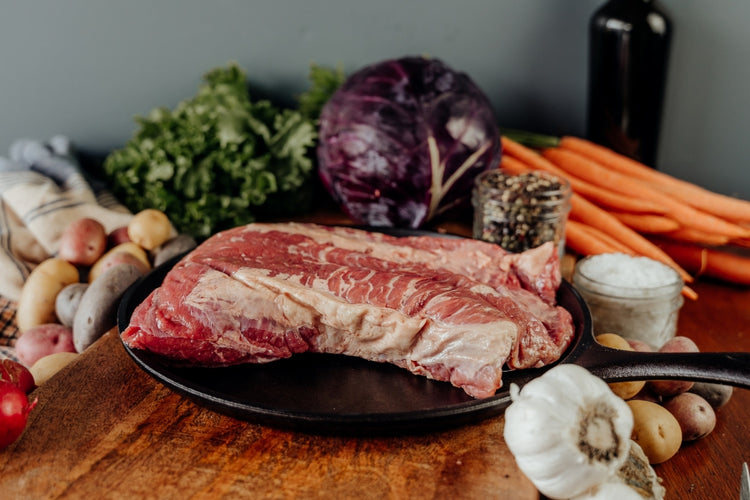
[218,159]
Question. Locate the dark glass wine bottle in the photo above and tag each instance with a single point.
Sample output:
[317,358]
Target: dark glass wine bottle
[629,42]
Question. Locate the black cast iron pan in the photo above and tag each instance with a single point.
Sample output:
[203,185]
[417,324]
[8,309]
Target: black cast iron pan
[336,394]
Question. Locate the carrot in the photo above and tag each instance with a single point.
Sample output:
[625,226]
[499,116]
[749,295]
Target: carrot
[590,214]
[709,262]
[613,200]
[745,242]
[720,205]
[595,173]
[592,192]
[648,223]
[689,235]
[528,156]
[587,240]
[584,211]
[513,166]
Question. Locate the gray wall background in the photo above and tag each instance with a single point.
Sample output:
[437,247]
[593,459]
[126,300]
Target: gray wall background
[85,68]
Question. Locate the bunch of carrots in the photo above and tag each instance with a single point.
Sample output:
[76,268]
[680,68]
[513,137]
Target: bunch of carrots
[621,205]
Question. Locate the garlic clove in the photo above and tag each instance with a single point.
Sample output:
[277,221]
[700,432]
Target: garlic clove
[635,480]
[610,491]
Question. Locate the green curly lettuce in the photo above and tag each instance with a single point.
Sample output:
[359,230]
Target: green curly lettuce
[218,159]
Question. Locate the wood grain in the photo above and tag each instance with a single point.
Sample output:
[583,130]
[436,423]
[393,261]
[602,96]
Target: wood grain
[710,468]
[105,429]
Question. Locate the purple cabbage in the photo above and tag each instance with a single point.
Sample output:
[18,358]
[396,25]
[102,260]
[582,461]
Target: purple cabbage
[401,142]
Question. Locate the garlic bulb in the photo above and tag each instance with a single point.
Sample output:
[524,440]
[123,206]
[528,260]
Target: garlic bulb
[567,431]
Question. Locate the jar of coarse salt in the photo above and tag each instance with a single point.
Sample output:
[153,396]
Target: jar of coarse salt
[635,297]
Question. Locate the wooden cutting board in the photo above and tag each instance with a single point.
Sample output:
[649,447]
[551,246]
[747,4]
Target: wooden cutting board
[104,429]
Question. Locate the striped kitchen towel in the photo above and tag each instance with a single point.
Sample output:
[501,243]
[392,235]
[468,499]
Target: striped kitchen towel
[42,189]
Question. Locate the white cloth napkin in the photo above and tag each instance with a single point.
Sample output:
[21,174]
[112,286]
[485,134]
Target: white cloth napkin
[42,189]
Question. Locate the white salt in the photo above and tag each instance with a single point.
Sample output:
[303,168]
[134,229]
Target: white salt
[621,270]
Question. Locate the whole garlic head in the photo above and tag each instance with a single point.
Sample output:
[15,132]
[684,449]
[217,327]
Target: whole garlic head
[568,431]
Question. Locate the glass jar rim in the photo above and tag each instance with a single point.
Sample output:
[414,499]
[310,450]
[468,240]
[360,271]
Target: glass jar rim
[606,289]
[564,186]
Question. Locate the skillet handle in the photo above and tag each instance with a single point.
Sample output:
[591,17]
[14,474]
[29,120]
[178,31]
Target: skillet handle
[728,368]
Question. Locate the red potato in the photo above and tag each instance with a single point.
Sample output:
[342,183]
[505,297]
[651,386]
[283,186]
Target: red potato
[670,388]
[694,414]
[125,253]
[117,237]
[83,242]
[42,340]
[640,346]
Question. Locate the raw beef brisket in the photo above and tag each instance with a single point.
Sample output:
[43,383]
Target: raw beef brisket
[451,309]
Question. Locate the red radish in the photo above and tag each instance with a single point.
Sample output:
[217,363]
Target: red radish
[14,412]
[17,374]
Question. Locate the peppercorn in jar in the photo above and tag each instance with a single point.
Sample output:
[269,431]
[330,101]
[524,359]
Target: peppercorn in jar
[519,212]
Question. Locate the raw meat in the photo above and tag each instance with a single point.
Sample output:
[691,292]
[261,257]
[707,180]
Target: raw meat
[455,310]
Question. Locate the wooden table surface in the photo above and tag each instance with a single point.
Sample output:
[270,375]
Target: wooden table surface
[104,429]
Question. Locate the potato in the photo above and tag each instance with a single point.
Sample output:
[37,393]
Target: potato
[646,394]
[42,340]
[173,247]
[46,367]
[679,343]
[656,430]
[83,241]
[117,237]
[717,395]
[124,253]
[625,390]
[97,311]
[36,304]
[640,346]
[696,417]
[149,228]
[66,302]
[670,388]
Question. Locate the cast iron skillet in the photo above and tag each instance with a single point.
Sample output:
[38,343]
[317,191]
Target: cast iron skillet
[323,393]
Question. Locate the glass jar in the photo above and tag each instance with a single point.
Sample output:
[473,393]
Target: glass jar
[519,212]
[635,297]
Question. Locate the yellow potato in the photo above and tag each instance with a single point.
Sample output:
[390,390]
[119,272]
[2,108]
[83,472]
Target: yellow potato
[656,430]
[149,228]
[36,304]
[114,256]
[44,368]
[625,390]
